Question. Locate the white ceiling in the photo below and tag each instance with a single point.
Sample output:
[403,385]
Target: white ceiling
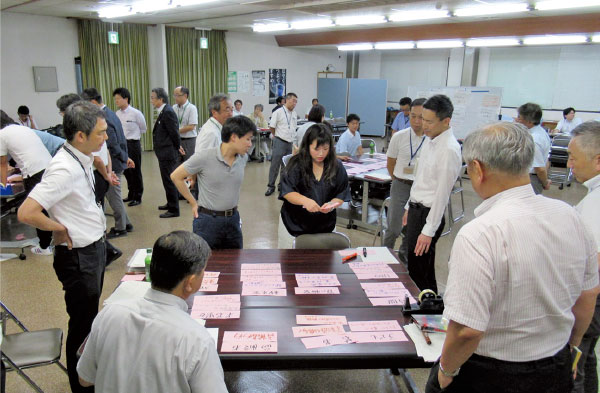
[238,15]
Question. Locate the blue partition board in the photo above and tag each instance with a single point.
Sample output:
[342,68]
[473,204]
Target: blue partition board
[332,94]
[367,98]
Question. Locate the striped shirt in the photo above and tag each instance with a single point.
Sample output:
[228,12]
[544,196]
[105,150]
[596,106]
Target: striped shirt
[515,275]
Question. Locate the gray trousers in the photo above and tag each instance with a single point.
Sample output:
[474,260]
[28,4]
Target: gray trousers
[399,195]
[189,145]
[536,183]
[115,200]
[280,148]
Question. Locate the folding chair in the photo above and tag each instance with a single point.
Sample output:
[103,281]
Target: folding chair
[323,241]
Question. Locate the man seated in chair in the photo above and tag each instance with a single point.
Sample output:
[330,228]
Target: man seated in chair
[349,141]
[152,344]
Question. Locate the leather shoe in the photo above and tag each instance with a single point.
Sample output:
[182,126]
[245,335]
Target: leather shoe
[112,253]
[113,233]
[127,199]
[169,215]
[129,228]
[134,203]
[270,190]
[163,207]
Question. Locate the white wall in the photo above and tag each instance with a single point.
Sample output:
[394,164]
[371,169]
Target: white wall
[32,40]
[250,51]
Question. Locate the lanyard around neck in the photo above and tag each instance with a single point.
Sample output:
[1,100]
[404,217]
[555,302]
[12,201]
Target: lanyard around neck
[412,155]
[180,118]
[90,182]
[289,120]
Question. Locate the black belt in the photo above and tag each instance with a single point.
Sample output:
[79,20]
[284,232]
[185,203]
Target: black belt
[283,140]
[405,181]
[416,205]
[224,213]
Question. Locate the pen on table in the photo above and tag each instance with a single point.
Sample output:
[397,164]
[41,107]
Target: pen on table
[349,257]
[423,332]
[364,251]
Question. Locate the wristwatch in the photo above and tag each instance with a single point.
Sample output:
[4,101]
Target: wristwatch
[447,374]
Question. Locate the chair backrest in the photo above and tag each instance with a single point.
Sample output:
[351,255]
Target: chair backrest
[323,241]
[366,143]
[561,141]
[286,159]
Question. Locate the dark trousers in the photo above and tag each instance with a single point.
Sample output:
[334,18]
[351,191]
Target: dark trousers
[135,182]
[29,183]
[189,145]
[536,183]
[421,268]
[100,187]
[81,272]
[481,374]
[587,375]
[220,232]
[166,168]
[280,148]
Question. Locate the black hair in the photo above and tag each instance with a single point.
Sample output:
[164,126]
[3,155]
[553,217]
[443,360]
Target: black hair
[91,93]
[279,99]
[351,117]
[236,101]
[81,116]
[290,95]
[63,102]
[175,256]
[418,102]
[238,125]
[441,105]
[5,120]
[161,94]
[530,112]
[313,100]
[323,135]
[23,110]
[124,93]
[568,110]
[184,90]
[405,101]
[316,113]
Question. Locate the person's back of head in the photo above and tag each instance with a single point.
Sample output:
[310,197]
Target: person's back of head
[530,112]
[64,101]
[91,93]
[441,105]
[237,125]
[279,100]
[5,120]
[81,116]
[316,113]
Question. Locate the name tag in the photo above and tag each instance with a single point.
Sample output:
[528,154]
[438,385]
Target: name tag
[408,170]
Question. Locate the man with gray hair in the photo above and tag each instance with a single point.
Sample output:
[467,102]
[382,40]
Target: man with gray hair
[220,109]
[530,115]
[584,160]
[152,344]
[520,293]
[66,192]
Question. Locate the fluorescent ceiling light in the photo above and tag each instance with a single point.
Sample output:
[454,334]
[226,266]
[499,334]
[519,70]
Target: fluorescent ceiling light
[486,42]
[360,20]
[596,38]
[262,27]
[363,46]
[418,15]
[439,44]
[555,39]
[141,7]
[395,45]
[311,24]
[115,12]
[492,9]
[561,4]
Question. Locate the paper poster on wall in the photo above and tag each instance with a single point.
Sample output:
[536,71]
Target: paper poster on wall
[232,82]
[276,83]
[259,83]
[243,81]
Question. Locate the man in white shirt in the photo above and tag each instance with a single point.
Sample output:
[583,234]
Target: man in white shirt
[220,109]
[187,116]
[520,293]
[152,345]
[238,108]
[66,192]
[530,115]
[25,118]
[402,156]
[349,142]
[283,126]
[584,160]
[402,119]
[438,169]
[134,125]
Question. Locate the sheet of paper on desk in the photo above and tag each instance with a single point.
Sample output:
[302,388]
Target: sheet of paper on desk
[429,353]
[373,270]
[244,278]
[378,337]
[251,346]
[366,265]
[261,266]
[261,272]
[128,290]
[208,287]
[388,292]
[264,284]
[258,291]
[211,274]
[326,341]
[138,259]
[321,320]
[205,314]
[318,330]
[345,253]
[217,307]
[377,254]
[372,326]
[133,277]
[382,285]
[210,280]
[375,275]
[317,280]
[247,336]
[316,291]
[212,299]
[389,301]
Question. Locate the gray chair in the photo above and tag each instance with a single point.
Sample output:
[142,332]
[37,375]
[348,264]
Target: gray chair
[366,144]
[457,189]
[285,159]
[322,241]
[382,220]
[29,349]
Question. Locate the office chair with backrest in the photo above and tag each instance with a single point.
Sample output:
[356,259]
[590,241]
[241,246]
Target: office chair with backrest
[322,241]
[285,159]
[366,144]
[29,349]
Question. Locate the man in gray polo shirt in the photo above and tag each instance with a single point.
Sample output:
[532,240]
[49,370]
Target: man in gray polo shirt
[220,172]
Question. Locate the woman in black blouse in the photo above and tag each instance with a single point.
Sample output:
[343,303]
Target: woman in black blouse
[313,184]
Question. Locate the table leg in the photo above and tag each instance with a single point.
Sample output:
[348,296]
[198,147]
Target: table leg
[410,384]
[365,202]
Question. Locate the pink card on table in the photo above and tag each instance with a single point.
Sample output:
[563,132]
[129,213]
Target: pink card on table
[208,287]
[133,277]
[374,326]
[387,292]
[207,314]
[210,280]
[217,307]
[264,284]
[375,275]
[364,265]
[326,341]
[389,301]
[261,272]
[321,320]
[252,277]
[316,291]
[258,291]
[211,274]
[317,280]
[250,346]
[247,336]
[319,330]
[378,337]
[216,299]
[382,285]
[261,266]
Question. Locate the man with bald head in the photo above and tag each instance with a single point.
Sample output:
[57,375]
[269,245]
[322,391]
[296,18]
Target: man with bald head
[520,292]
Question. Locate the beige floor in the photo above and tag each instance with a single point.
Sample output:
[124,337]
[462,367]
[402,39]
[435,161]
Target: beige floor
[30,288]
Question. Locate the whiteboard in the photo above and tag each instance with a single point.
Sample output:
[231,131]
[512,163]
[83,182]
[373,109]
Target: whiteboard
[474,107]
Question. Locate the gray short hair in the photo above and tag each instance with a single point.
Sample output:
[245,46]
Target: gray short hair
[588,137]
[214,104]
[161,94]
[81,116]
[262,108]
[501,147]
[530,112]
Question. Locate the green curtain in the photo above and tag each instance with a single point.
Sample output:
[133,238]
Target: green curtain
[107,66]
[203,71]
